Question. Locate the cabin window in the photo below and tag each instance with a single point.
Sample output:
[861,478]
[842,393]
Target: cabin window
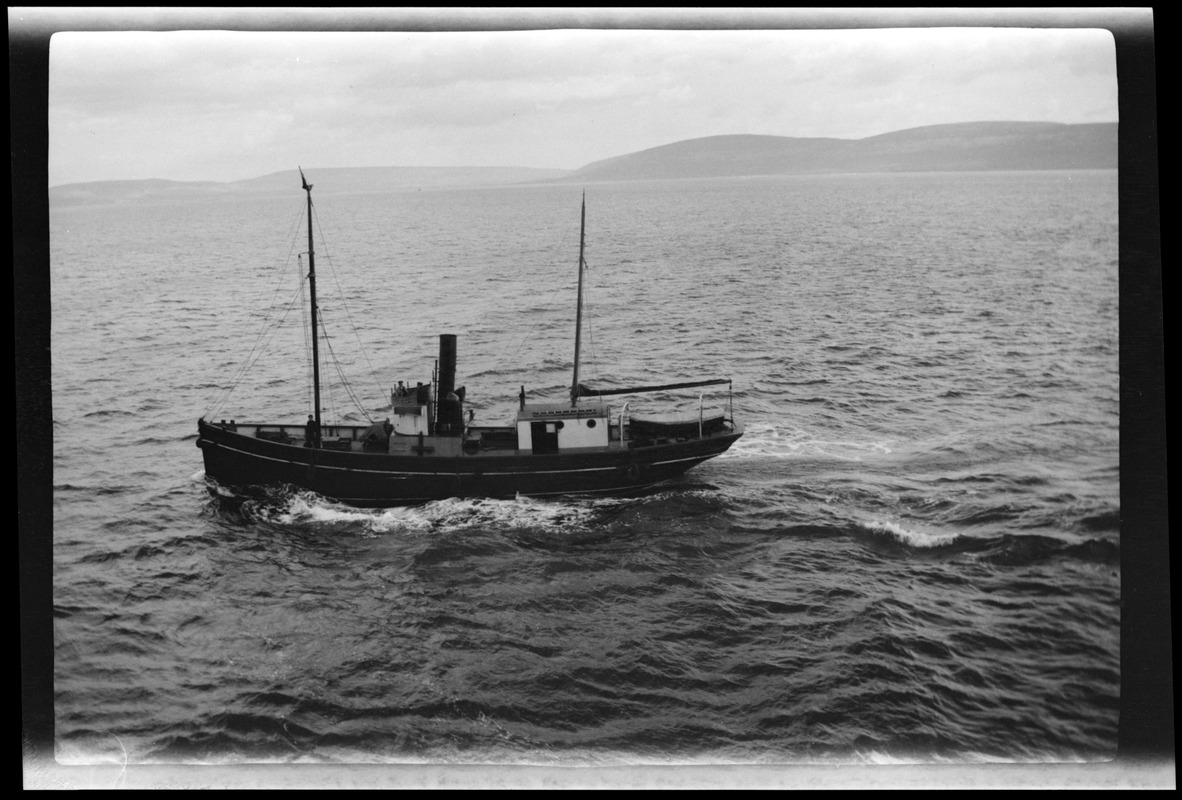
[590,423]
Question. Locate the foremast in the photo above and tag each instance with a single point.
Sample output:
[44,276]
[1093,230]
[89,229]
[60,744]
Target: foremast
[574,387]
[312,292]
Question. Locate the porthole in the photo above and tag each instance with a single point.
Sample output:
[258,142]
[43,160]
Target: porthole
[590,423]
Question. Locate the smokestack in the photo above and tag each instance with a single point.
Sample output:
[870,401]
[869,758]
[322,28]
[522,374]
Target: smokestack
[450,413]
[447,364]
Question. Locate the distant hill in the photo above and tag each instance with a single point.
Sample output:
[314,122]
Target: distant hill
[969,146]
[327,180]
[387,179]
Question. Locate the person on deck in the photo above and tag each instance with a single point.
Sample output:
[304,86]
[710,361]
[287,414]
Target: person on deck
[311,433]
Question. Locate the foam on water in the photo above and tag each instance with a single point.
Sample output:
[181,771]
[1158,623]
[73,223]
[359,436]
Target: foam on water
[443,515]
[767,440]
[460,514]
[909,537]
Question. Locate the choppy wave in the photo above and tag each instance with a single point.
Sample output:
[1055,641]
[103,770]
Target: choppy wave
[767,440]
[912,537]
[1004,549]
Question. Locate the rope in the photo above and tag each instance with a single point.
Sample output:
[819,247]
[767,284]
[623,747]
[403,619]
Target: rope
[565,237]
[344,382]
[348,313]
[255,352]
[529,333]
[270,328]
[309,366]
[592,362]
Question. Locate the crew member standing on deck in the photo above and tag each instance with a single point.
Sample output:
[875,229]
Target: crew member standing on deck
[311,433]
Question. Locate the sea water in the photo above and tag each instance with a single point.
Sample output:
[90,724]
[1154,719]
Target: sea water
[912,554]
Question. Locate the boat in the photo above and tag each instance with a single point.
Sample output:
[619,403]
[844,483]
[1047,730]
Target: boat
[426,450]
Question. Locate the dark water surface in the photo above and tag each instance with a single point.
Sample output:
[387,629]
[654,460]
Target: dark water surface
[913,554]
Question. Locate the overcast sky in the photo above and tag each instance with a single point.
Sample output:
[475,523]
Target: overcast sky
[229,105]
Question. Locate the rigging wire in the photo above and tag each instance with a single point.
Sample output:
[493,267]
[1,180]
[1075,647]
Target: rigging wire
[309,366]
[271,325]
[529,333]
[348,313]
[329,410]
[592,362]
[255,352]
[337,363]
[566,236]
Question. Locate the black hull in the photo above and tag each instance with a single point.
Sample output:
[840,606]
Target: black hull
[380,480]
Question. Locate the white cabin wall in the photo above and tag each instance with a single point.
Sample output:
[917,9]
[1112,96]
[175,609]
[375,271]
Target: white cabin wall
[590,432]
[525,439]
[410,424]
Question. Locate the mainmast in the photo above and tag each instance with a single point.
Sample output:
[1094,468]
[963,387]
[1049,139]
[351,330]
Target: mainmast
[574,389]
[312,289]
